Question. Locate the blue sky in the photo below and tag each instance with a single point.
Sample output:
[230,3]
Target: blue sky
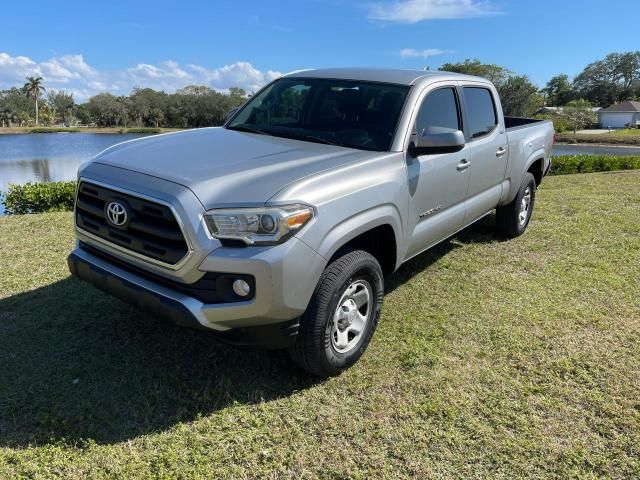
[87,47]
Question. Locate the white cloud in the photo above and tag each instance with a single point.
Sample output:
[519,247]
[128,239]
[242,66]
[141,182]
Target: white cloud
[73,73]
[168,69]
[414,11]
[426,53]
[241,74]
[54,72]
[16,68]
[77,63]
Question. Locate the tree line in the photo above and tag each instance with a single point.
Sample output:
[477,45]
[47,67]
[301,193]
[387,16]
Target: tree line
[190,107]
[601,83]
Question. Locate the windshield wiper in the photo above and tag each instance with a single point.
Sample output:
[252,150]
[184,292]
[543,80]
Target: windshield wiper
[326,141]
[311,138]
[243,128]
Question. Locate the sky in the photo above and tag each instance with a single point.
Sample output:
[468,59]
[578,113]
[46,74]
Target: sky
[89,47]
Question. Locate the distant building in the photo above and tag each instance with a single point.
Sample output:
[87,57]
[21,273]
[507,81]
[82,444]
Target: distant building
[620,115]
[560,110]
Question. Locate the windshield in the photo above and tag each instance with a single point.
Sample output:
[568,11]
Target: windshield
[349,113]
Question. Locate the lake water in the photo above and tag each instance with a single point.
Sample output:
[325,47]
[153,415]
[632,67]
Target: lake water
[49,157]
[56,156]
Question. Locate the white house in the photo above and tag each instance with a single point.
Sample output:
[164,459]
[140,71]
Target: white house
[620,115]
[560,110]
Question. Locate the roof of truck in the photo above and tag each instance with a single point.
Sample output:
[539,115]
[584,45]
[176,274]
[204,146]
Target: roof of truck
[386,75]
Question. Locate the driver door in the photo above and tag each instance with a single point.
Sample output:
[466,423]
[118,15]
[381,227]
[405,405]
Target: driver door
[438,182]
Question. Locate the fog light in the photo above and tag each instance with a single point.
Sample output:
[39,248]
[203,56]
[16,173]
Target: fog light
[241,288]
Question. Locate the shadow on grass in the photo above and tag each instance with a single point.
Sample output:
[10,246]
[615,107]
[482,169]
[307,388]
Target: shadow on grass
[483,231]
[78,365]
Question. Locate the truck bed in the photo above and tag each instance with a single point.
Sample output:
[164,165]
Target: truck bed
[512,123]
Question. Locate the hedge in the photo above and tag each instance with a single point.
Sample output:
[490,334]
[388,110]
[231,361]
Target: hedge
[57,196]
[567,164]
[142,130]
[39,197]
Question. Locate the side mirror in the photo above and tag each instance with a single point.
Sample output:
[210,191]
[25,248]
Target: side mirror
[438,140]
[231,113]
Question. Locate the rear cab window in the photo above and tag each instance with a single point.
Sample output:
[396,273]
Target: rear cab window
[482,117]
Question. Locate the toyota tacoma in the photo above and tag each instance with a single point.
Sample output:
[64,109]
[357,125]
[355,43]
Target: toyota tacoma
[277,229]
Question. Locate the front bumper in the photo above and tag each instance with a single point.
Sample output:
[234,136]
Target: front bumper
[285,277]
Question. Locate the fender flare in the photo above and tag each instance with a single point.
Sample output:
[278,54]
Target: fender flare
[514,186]
[360,223]
[535,156]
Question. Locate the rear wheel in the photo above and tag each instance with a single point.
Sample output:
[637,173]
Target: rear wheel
[513,219]
[342,315]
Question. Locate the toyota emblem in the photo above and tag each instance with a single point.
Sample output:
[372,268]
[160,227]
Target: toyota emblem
[116,214]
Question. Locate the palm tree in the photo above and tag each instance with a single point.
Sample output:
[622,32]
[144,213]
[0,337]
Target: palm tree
[33,88]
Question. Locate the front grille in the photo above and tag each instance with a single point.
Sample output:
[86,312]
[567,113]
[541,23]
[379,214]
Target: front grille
[212,288]
[151,229]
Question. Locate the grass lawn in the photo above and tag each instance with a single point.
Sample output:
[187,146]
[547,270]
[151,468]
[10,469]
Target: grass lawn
[492,359]
[628,131]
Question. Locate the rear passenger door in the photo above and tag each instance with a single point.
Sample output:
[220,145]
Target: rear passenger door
[487,150]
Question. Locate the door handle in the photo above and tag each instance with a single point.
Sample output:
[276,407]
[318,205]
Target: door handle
[501,151]
[463,165]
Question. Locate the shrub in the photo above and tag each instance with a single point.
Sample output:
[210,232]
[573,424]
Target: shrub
[53,130]
[560,123]
[39,197]
[567,164]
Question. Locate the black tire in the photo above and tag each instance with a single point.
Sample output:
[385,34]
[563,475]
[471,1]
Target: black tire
[314,349]
[508,220]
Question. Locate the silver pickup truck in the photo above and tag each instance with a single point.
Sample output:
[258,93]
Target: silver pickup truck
[277,229]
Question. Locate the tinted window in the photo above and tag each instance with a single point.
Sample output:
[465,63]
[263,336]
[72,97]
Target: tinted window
[439,109]
[481,111]
[350,113]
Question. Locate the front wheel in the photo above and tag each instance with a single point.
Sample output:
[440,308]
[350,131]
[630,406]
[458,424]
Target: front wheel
[342,315]
[513,219]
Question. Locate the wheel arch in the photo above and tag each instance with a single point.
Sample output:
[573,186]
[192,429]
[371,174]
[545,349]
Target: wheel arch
[536,168]
[377,231]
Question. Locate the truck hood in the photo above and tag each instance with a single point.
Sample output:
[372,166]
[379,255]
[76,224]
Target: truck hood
[225,167]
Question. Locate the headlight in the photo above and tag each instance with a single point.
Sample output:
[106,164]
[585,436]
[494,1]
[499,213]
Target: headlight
[268,225]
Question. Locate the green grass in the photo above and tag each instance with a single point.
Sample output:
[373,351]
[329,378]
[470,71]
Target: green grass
[493,359]
[628,131]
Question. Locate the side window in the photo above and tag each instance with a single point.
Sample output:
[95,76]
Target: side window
[439,109]
[481,110]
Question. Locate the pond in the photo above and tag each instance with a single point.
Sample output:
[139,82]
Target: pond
[49,157]
[56,156]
